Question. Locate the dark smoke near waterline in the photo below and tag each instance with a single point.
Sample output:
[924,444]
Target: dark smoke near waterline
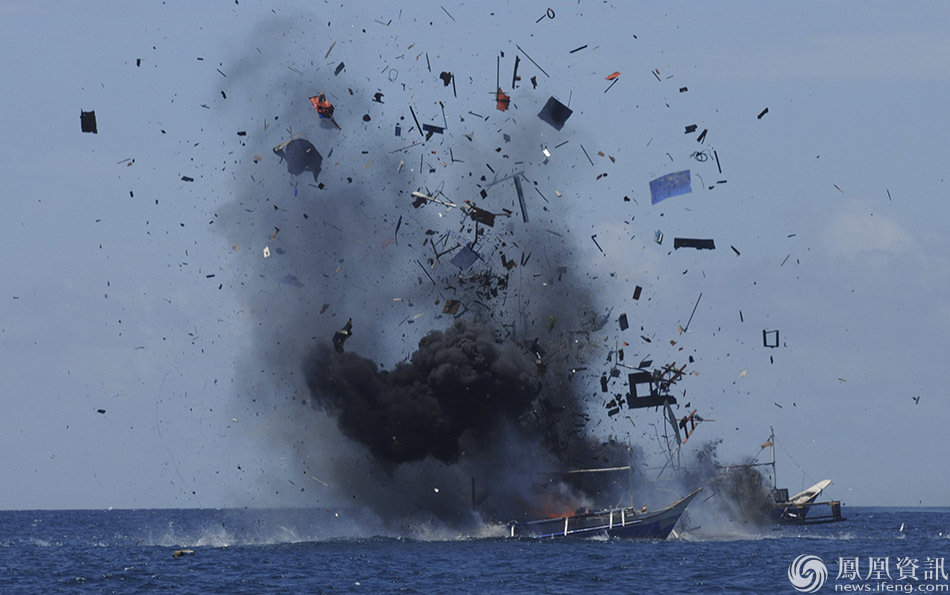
[469,400]
[460,380]
[737,493]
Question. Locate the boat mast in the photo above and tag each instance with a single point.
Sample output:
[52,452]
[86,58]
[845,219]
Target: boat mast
[630,473]
[772,444]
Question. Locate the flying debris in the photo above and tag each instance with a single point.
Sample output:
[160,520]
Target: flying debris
[340,337]
[301,156]
[87,121]
[555,113]
[322,105]
[465,257]
[502,100]
[690,420]
[693,243]
[670,185]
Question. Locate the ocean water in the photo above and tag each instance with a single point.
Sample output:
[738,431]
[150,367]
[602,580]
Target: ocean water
[307,551]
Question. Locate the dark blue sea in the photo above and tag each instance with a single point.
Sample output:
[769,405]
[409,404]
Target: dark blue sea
[301,551]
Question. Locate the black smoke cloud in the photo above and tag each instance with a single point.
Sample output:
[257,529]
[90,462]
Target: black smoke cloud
[486,394]
[458,380]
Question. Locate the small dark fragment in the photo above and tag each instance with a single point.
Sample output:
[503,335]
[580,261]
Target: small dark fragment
[101,411]
[603,384]
[451,307]
[342,335]
[432,128]
[624,324]
[446,78]
[694,243]
[87,120]
[762,113]
[482,216]
[702,135]
[636,292]
[339,68]
[520,191]
[187,179]
[691,128]
[770,338]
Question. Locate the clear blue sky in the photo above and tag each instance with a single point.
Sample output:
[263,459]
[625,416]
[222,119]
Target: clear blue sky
[834,199]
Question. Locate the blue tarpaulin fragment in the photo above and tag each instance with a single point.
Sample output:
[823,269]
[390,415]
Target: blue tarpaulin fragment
[669,185]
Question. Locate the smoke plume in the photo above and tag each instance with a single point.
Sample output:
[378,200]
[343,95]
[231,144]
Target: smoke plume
[454,397]
[460,380]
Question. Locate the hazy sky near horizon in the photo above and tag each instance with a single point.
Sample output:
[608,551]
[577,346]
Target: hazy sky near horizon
[120,294]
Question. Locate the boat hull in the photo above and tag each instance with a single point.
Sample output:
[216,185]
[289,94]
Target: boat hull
[625,523]
[811,513]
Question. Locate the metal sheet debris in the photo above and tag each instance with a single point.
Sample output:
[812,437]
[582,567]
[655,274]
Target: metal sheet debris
[555,113]
[87,121]
[693,243]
